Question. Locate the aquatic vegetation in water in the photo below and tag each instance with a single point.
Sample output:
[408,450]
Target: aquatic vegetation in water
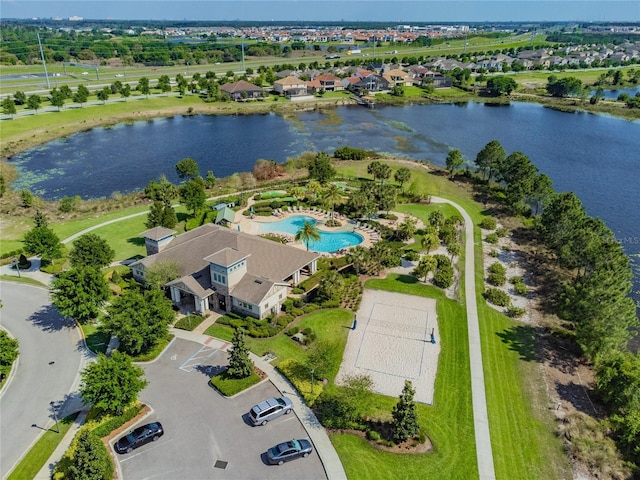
[403,127]
[404,144]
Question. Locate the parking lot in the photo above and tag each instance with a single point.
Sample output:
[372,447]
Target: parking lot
[207,435]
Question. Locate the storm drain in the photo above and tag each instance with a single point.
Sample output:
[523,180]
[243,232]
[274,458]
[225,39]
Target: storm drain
[220,464]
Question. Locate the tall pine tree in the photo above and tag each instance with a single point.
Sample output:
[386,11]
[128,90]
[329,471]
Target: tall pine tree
[240,365]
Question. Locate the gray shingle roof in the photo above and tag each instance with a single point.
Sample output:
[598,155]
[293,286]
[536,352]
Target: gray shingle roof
[157,233]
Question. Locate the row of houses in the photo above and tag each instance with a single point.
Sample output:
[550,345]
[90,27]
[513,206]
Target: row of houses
[360,81]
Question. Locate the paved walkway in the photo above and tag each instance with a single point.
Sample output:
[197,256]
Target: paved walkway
[324,448]
[479,399]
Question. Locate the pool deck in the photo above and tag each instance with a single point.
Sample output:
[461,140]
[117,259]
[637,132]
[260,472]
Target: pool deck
[250,226]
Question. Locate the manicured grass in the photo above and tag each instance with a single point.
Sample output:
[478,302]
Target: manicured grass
[517,410]
[230,386]
[96,340]
[189,323]
[124,237]
[155,352]
[38,455]
[448,422]
[329,325]
[30,281]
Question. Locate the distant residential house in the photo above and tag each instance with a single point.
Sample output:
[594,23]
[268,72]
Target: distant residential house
[325,81]
[220,268]
[242,90]
[290,86]
[398,77]
[422,76]
[371,84]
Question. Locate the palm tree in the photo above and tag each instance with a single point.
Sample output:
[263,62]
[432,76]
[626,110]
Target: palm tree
[332,195]
[308,232]
[407,228]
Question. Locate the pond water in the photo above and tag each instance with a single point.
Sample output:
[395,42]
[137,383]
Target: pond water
[595,156]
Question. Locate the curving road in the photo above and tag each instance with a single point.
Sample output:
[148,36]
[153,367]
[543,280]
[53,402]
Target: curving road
[52,353]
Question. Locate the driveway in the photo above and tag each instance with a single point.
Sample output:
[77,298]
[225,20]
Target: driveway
[204,428]
[51,354]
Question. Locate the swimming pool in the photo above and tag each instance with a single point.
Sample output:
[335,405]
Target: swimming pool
[329,241]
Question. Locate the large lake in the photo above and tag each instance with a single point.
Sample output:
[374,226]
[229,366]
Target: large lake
[595,156]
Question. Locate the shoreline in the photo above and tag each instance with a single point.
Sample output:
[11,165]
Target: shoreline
[18,143]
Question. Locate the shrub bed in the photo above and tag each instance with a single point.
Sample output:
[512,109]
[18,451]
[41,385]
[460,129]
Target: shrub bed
[488,223]
[299,376]
[230,386]
[497,297]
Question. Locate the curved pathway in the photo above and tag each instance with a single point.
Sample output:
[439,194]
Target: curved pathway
[479,399]
[52,353]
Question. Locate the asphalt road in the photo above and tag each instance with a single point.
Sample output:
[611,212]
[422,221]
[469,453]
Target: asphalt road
[202,427]
[51,354]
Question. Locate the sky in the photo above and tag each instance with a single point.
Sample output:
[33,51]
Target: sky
[400,11]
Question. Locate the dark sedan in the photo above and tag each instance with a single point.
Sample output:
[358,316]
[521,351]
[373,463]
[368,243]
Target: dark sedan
[140,436]
[285,451]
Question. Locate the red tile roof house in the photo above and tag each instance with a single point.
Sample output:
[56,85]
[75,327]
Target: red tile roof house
[222,269]
[242,90]
[326,81]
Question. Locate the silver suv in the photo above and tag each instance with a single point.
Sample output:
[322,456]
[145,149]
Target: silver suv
[270,409]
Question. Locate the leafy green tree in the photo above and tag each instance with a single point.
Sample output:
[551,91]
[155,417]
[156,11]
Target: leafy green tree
[103,94]
[80,293]
[499,86]
[210,179]
[332,195]
[161,214]
[27,198]
[8,107]
[405,419]
[33,102]
[331,286]
[113,383]
[40,220]
[308,233]
[42,241]
[161,190]
[406,229]
[321,359]
[139,320]
[560,219]
[20,98]
[564,87]
[8,349]
[597,96]
[143,86]
[518,173]
[192,194]
[430,241]
[426,264]
[454,160]
[240,365]
[187,168]
[321,169]
[164,84]
[541,192]
[81,95]
[125,92]
[161,273]
[436,218]
[66,91]
[57,98]
[490,158]
[91,250]
[454,249]
[91,461]
[402,175]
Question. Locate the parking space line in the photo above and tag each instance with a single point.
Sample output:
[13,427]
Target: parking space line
[197,358]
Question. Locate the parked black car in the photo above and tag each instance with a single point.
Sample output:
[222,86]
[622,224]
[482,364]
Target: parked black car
[285,451]
[138,437]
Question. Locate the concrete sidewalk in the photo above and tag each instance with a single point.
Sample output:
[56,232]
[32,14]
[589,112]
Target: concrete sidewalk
[46,472]
[328,456]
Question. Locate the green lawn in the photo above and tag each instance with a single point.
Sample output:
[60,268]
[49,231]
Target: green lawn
[38,455]
[329,325]
[96,341]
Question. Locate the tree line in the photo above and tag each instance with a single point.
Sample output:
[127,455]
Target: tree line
[594,292]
